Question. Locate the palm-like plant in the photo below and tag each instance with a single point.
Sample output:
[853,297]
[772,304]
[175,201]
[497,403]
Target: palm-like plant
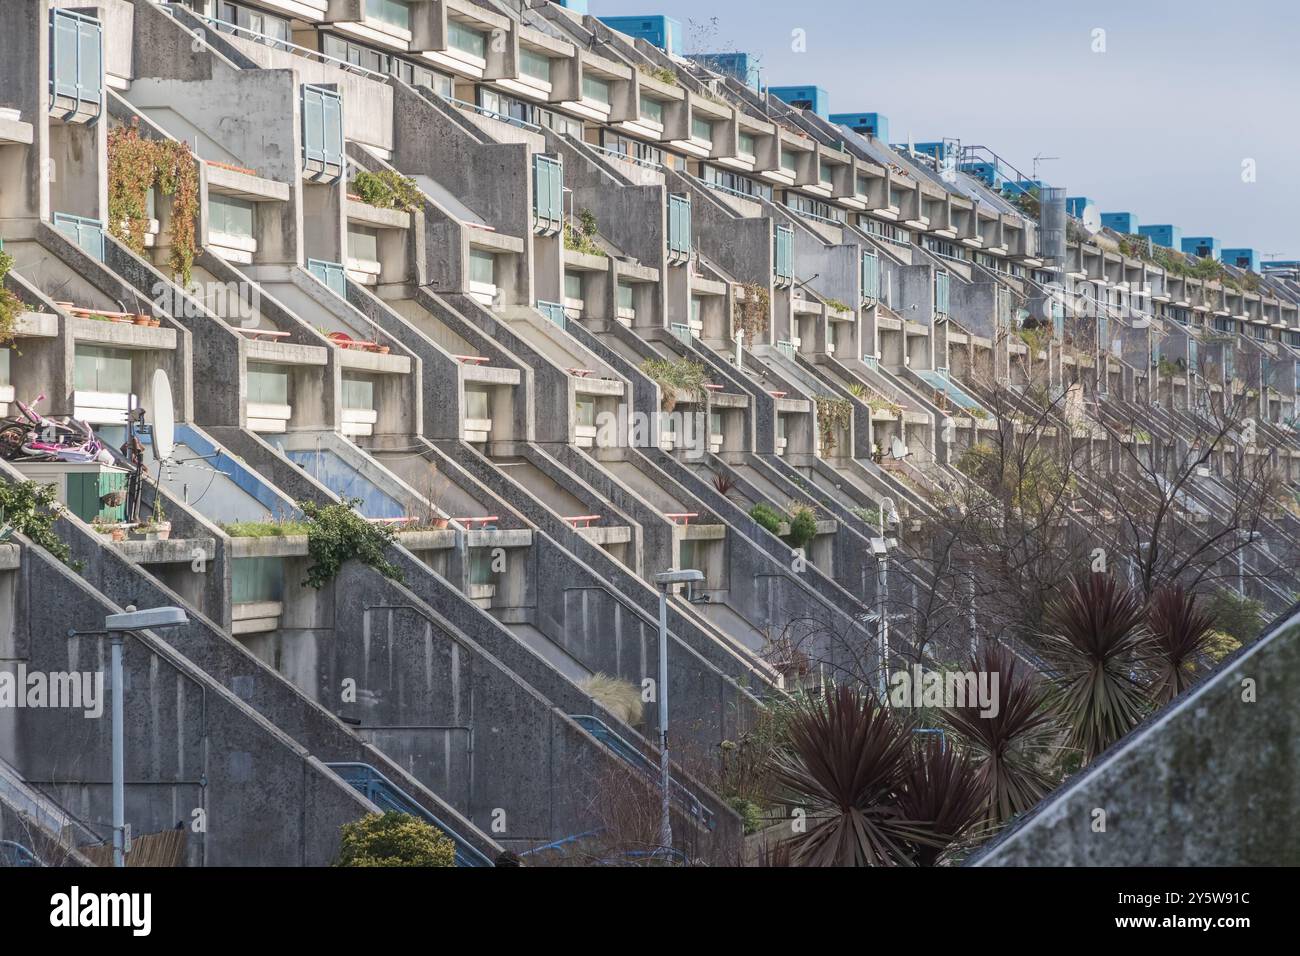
[1095,639]
[844,765]
[940,789]
[1179,632]
[1008,742]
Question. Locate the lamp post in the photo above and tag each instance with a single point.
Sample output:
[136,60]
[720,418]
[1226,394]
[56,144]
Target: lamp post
[666,580]
[880,548]
[117,626]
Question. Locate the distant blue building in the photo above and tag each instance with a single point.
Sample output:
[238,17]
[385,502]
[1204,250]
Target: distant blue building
[805,98]
[1171,237]
[1241,258]
[1075,205]
[731,64]
[871,124]
[987,173]
[577,6]
[663,32]
[1207,247]
[1123,222]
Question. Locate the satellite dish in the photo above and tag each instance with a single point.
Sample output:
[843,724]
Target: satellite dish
[162,417]
[897,449]
[1091,219]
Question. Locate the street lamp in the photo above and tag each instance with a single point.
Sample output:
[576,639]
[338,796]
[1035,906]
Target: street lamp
[666,580]
[880,549]
[117,626]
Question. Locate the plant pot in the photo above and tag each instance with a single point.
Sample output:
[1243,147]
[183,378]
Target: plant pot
[161,532]
[118,534]
[155,323]
[439,524]
[142,320]
[382,349]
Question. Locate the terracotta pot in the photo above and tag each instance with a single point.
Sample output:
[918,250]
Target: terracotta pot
[440,524]
[142,320]
[119,534]
[383,349]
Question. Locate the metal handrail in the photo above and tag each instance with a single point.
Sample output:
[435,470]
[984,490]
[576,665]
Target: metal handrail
[382,792]
[639,761]
[225,26]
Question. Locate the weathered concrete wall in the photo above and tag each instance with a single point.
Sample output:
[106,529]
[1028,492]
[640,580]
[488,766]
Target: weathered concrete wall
[191,744]
[1211,780]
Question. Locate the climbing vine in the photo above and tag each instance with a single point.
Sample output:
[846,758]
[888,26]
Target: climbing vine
[338,533]
[833,414]
[137,165]
[751,313]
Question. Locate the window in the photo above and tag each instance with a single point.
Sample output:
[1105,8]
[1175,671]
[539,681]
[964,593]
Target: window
[788,162]
[534,64]
[625,296]
[652,110]
[815,207]
[358,393]
[267,385]
[98,369]
[735,183]
[826,174]
[231,217]
[381,62]
[466,39]
[254,580]
[395,13]
[746,144]
[481,267]
[632,148]
[701,129]
[572,285]
[363,244]
[594,88]
[254,21]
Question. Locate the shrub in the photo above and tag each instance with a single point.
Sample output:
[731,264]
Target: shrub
[621,698]
[767,516]
[394,839]
[135,166]
[582,237]
[1235,615]
[833,415]
[265,529]
[10,305]
[388,189]
[337,533]
[677,380]
[803,525]
[31,510]
[751,814]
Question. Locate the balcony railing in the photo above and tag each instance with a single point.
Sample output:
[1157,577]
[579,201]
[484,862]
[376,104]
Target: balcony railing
[76,66]
[679,227]
[553,311]
[332,274]
[86,233]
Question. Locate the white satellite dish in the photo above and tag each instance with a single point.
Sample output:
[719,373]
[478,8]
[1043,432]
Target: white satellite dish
[1091,219]
[897,449]
[162,417]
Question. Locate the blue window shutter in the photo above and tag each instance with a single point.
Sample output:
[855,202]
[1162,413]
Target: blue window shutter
[64,45]
[313,125]
[333,120]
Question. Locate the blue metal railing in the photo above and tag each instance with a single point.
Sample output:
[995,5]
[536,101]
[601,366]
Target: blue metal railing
[15,854]
[386,795]
[639,761]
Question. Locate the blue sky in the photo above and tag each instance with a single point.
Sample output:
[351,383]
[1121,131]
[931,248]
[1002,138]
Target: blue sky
[1159,124]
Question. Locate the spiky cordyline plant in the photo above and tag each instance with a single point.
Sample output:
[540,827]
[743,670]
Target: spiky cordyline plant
[940,788]
[1179,632]
[845,763]
[1008,743]
[1095,641]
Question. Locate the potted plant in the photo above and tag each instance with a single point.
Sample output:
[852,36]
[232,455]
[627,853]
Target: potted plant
[141,319]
